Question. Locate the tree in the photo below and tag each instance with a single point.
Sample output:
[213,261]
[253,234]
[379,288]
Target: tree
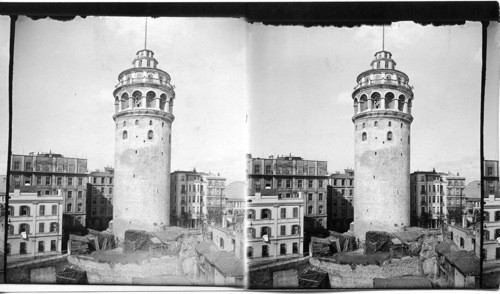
[454,214]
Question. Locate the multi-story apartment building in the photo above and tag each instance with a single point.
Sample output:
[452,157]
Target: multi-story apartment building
[187,203]
[275,226]
[455,197]
[428,206]
[216,199]
[100,199]
[491,229]
[340,201]
[289,176]
[34,224]
[46,174]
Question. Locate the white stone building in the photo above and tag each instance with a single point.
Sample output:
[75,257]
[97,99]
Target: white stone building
[34,225]
[275,227]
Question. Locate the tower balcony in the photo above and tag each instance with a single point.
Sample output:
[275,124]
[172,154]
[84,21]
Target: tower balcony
[383,81]
[145,80]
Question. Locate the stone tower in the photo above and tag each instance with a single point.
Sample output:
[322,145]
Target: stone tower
[143,117]
[382,119]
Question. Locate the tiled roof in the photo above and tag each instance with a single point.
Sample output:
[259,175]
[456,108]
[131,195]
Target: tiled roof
[465,261]
[226,262]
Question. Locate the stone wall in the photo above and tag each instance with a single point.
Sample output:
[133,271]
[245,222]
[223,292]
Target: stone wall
[361,276]
[382,173]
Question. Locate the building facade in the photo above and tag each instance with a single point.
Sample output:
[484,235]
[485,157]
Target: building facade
[100,199]
[428,199]
[34,225]
[340,201]
[291,176]
[216,198]
[382,118]
[49,174]
[491,224]
[143,117]
[187,198]
[275,226]
[455,196]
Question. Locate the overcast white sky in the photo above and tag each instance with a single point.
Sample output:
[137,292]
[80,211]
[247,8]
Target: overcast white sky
[297,81]
[302,80]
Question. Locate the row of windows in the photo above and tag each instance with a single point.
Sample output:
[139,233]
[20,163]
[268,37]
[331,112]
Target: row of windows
[389,137]
[102,180]
[433,199]
[191,199]
[150,135]
[287,170]
[343,192]
[103,200]
[375,124]
[265,250]
[25,210]
[24,250]
[487,216]
[52,228]
[101,190]
[343,202]
[310,209]
[288,184]
[40,180]
[69,207]
[266,213]
[137,123]
[102,211]
[49,167]
[294,230]
[376,98]
[343,182]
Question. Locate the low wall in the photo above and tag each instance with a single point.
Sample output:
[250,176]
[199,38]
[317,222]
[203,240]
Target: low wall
[117,273]
[361,276]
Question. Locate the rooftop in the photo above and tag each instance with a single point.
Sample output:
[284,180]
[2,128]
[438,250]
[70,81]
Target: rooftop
[465,261]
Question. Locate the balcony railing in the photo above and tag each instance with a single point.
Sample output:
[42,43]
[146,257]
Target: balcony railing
[144,80]
[383,82]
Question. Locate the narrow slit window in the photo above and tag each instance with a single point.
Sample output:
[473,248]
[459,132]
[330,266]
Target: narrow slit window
[150,135]
[363,137]
[125,135]
[389,136]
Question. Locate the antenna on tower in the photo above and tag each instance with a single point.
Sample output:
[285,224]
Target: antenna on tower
[383,37]
[146,33]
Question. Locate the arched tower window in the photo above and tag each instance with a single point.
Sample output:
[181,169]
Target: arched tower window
[401,102]
[125,135]
[163,101]
[363,137]
[150,135]
[136,122]
[389,136]
[389,102]
[150,99]
[124,101]
[389,123]
[137,98]
[376,123]
[355,105]
[376,100]
[363,103]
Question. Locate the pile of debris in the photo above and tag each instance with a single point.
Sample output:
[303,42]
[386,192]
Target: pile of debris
[71,275]
[93,241]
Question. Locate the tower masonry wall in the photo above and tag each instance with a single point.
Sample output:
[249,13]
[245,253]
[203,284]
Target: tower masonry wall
[382,177]
[142,177]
